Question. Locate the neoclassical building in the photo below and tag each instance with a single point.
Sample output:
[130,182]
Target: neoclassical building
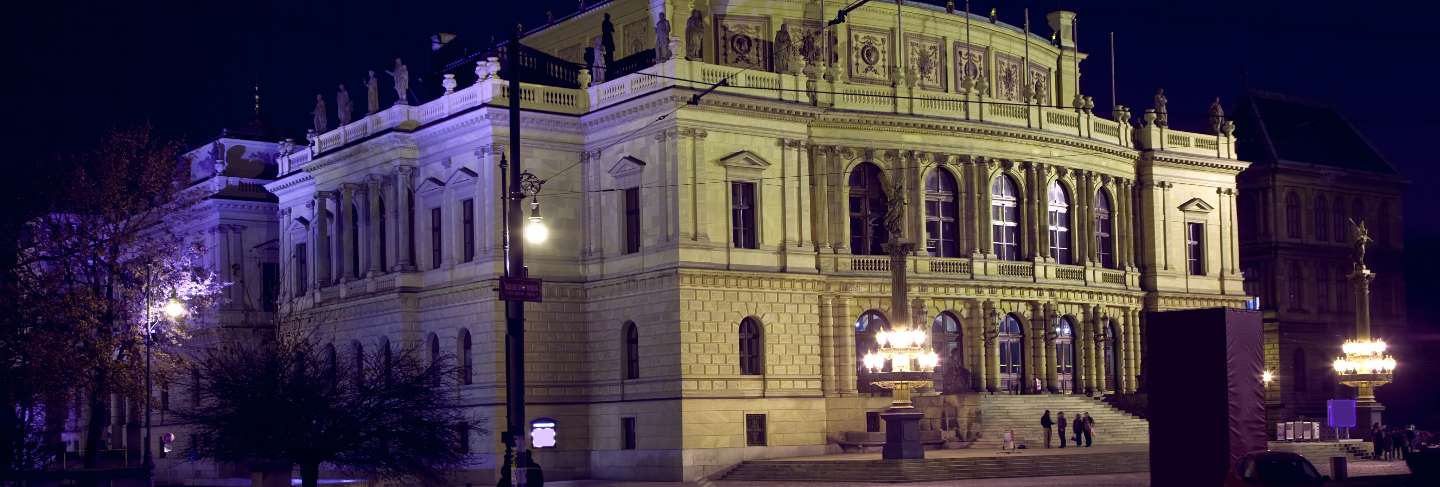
[1313,173]
[715,267]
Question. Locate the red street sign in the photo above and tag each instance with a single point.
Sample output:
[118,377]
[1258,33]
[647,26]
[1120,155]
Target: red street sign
[520,289]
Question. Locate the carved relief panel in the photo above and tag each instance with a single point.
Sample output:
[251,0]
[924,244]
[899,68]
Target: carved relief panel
[808,37]
[970,64]
[870,55]
[743,41]
[924,55]
[1008,78]
[637,37]
[1040,80]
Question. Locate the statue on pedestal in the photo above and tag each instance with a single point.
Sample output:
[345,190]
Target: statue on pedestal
[401,73]
[783,48]
[695,36]
[662,39]
[1162,117]
[342,106]
[372,94]
[318,119]
[607,39]
[1217,116]
[895,211]
[602,58]
[1362,240]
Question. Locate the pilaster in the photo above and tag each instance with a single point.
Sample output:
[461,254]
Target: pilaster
[348,222]
[376,230]
[405,223]
[1052,376]
[322,239]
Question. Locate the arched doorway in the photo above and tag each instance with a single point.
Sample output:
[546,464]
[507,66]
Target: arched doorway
[1012,357]
[1065,354]
[866,326]
[946,339]
[1112,359]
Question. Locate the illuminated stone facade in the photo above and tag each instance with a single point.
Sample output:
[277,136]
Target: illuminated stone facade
[759,202]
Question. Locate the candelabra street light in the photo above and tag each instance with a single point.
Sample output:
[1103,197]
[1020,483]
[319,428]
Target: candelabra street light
[1364,365]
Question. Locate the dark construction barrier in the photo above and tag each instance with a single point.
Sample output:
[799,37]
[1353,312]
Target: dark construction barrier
[1202,370]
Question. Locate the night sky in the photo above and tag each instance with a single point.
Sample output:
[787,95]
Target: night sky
[189,69]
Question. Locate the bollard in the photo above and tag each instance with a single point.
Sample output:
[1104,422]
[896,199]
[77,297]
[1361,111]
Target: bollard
[1339,468]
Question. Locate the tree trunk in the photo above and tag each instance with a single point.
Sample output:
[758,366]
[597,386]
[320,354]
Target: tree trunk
[309,474]
[99,414]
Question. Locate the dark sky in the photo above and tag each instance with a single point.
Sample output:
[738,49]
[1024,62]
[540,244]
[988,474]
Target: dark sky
[188,68]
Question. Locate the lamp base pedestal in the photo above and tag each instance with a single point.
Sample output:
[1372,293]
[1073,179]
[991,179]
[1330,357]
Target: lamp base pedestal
[902,434]
[1368,413]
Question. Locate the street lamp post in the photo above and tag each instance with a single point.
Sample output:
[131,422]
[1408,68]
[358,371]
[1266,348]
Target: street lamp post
[172,310]
[1364,365]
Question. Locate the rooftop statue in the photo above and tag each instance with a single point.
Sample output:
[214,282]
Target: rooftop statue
[372,94]
[343,108]
[1217,115]
[695,36]
[783,48]
[1162,118]
[321,124]
[402,82]
[607,39]
[662,39]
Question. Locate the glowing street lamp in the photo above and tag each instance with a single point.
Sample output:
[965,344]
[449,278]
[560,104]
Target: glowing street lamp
[912,364]
[535,230]
[1267,377]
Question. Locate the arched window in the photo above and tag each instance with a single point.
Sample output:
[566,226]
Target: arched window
[1104,233]
[1322,211]
[359,360]
[384,238]
[1059,223]
[947,341]
[1112,358]
[632,351]
[1341,228]
[1322,288]
[752,352]
[1298,371]
[1005,218]
[1295,293]
[1292,215]
[332,364]
[355,240]
[867,211]
[942,212]
[467,359]
[866,326]
[1065,353]
[1012,361]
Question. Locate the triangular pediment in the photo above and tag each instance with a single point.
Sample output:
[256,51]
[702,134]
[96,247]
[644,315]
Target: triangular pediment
[1197,205]
[429,184]
[745,160]
[626,166]
[461,176]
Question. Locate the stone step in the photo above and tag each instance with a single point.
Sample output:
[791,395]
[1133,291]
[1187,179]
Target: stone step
[935,469]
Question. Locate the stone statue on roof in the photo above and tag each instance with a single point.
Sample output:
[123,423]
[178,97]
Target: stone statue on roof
[343,108]
[1217,115]
[695,36]
[1162,117]
[607,39]
[372,94]
[783,48]
[401,73]
[318,119]
[662,39]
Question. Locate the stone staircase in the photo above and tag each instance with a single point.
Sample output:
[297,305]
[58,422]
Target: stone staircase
[1000,413]
[939,469]
[1319,452]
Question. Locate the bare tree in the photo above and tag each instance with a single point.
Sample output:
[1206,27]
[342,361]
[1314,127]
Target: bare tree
[290,403]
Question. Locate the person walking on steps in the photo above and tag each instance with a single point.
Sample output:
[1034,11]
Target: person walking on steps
[1089,428]
[1046,423]
[1078,426]
[1062,426]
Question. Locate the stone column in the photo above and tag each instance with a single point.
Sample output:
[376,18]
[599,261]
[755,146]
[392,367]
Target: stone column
[839,196]
[1084,220]
[845,364]
[804,224]
[235,235]
[1139,350]
[985,238]
[1127,353]
[405,213]
[348,222]
[1052,376]
[376,236]
[827,347]
[322,238]
[1031,214]
[1234,234]
[1102,336]
[283,215]
[1082,358]
[698,194]
[992,347]
[1035,342]
[819,197]
[978,351]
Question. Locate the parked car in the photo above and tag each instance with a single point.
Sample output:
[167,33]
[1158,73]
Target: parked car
[1276,468]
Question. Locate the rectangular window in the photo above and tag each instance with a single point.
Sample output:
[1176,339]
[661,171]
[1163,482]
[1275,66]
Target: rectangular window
[632,220]
[269,285]
[462,433]
[435,227]
[754,430]
[742,215]
[302,269]
[1195,248]
[467,215]
[627,433]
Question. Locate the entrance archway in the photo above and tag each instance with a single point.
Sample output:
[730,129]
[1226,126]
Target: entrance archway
[947,340]
[866,326]
[1065,354]
[1112,365]
[1012,354]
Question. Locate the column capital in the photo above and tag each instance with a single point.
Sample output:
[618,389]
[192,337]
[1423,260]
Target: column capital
[324,194]
[404,170]
[374,180]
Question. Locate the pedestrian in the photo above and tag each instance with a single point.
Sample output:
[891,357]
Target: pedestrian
[1046,423]
[1089,425]
[1078,426]
[1375,440]
[1037,385]
[1062,426]
[1382,443]
[1402,447]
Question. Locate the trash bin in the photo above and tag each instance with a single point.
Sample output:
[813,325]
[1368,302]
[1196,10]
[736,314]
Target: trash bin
[1339,468]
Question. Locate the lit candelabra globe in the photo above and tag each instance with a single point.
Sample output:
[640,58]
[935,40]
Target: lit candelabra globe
[1365,363]
[911,363]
